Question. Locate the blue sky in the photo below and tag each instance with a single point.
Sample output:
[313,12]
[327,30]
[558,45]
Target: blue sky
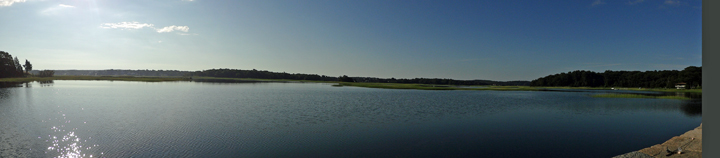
[489,39]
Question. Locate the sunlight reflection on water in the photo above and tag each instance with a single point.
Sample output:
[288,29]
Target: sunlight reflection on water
[63,139]
[129,119]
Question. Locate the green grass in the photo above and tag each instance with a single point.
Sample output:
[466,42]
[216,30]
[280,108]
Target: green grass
[435,87]
[106,78]
[667,90]
[630,88]
[355,84]
[615,95]
[396,86]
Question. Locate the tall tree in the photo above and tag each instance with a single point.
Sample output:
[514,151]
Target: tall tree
[7,65]
[28,66]
[18,67]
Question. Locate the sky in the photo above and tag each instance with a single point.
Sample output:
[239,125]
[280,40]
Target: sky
[482,39]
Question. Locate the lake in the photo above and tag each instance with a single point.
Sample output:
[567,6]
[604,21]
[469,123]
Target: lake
[195,119]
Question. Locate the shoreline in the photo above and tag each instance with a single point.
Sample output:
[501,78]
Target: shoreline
[352,84]
[102,78]
[690,142]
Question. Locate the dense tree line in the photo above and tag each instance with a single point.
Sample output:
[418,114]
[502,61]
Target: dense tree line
[46,73]
[10,67]
[119,72]
[692,76]
[261,74]
[442,81]
[236,73]
[345,78]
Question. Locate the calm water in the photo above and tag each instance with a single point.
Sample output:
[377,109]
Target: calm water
[191,119]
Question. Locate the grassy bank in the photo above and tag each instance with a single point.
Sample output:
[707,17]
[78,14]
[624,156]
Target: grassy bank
[106,78]
[630,89]
[667,90]
[615,95]
[436,87]
[396,86]
[509,88]
[355,84]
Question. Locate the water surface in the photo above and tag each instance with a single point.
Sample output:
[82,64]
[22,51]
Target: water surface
[191,119]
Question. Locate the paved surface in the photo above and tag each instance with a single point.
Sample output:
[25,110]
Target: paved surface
[690,143]
[634,154]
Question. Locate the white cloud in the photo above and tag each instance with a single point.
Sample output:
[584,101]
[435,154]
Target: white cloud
[66,6]
[126,25]
[5,3]
[598,2]
[56,9]
[188,0]
[173,28]
[137,25]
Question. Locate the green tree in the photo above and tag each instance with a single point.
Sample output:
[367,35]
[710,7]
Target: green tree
[7,66]
[18,67]
[28,66]
[345,78]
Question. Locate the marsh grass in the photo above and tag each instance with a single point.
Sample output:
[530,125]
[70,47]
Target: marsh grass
[616,95]
[355,84]
[396,86]
[435,87]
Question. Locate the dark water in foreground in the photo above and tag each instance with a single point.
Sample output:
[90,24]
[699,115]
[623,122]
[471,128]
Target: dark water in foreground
[190,119]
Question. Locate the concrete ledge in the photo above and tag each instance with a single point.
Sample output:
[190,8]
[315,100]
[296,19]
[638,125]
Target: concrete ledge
[690,143]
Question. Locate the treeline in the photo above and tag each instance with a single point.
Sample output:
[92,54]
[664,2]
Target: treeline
[10,67]
[261,74]
[119,72]
[237,73]
[692,76]
[442,81]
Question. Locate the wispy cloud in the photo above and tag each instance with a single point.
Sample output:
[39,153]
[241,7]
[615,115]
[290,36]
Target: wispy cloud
[56,9]
[66,6]
[126,25]
[5,3]
[635,2]
[137,25]
[173,28]
[597,2]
